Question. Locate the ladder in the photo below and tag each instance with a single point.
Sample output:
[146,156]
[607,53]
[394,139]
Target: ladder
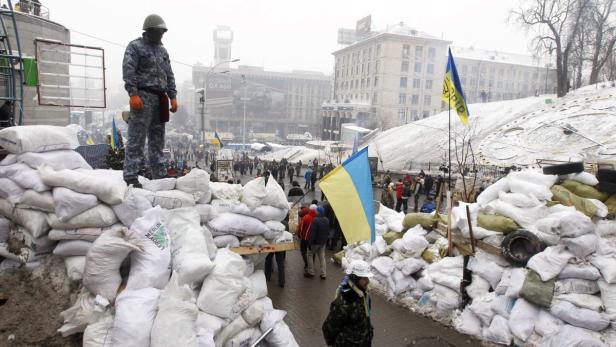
[11,68]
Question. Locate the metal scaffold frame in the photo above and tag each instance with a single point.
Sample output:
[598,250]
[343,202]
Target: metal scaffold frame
[9,59]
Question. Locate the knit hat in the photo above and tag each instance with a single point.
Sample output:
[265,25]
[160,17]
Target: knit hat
[313,207]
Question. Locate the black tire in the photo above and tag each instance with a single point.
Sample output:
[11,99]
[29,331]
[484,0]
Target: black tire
[564,169]
[607,187]
[606,175]
[519,246]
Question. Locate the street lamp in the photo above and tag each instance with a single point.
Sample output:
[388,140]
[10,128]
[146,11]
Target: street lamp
[244,99]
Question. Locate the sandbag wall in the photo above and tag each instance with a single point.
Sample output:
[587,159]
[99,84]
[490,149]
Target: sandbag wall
[564,295]
[151,270]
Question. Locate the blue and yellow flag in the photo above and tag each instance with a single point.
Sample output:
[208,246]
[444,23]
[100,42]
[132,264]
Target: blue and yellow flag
[89,141]
[115,137]
[452,91]
[348,188]
[217,141]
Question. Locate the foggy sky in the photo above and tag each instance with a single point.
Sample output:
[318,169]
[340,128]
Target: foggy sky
[279,34]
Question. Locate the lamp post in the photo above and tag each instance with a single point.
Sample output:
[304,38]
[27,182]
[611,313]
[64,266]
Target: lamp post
[244,99]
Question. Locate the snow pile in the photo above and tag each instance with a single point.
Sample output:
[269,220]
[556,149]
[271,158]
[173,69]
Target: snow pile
[151,270]
[566,291]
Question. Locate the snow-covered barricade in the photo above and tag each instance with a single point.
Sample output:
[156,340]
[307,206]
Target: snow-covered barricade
[564,295]
[153,262]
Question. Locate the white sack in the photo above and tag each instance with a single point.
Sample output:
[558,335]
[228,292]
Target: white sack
[5,229]
[135,313]
[102,271]
[478,288]
[205,211]
[107,185]
[481,307]
[608,298]
[607,266]
[516,281]
[38,201]
[570,336]
[488,270]
[267,213]
[502,305]
[281,335]
[168,199]
[99,216]
[575,286]
[99,334]
[222,206]
[492,191]
[86,309]
[10,190]
[549,263]
[538,191]
[254,192]
[226,191]
[525,217]
[196,181]
[25,177]
[574,224]
[86,234]
[258,284]
[468,323]
[606,228]
[582,177]
[582,271]
[58,160]
[498,331]
[226,241]
[149,268]
[75,267]
[581,246]
[519,199]
[72,248]
[37,138]
[522,319]
[133,207]
[383,265]
[209,241]
[159,184]
[34,221]
[547,324]
[10,159]
[275,195]
[237,224]
[69,203]
[579,317]
[587,301]
[535,177]
[176,321]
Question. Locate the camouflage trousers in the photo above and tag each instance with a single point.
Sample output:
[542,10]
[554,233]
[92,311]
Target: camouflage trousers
[141,124]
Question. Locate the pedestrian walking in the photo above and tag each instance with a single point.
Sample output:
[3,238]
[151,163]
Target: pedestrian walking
[348,323]
[387,197]
[150,83]
[405,194]
[298,168]
[280,258]
[313,179]
[307,176]
[319,232]
[306,215]
[428,184]
[290,173]
[417,192]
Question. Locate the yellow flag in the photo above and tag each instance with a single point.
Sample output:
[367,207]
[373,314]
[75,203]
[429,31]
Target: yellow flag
[452,91]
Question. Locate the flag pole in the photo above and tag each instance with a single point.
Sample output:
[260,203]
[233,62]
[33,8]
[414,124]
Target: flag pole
[449,197]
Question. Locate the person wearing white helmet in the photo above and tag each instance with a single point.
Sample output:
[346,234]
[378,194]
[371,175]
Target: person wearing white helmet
[348,322]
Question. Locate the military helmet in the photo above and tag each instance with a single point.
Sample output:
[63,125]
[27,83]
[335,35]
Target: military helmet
[154,21]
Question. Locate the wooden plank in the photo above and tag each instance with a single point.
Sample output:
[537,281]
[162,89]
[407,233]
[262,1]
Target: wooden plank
[463,244]
[276,247]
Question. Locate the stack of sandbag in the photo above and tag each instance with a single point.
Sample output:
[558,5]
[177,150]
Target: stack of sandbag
[565,294]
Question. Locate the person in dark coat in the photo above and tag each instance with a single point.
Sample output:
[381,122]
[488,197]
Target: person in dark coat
[306,215]
[295,190]
[319,232]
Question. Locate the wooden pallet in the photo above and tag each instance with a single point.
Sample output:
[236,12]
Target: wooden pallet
[276,247]
[463,244]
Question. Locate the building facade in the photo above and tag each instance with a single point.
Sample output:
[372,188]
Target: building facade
[492,76]
[273,103]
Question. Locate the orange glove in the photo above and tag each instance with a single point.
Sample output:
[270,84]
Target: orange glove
[135,102]
[174,105]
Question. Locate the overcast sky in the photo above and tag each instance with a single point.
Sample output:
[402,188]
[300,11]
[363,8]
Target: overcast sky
[279,34]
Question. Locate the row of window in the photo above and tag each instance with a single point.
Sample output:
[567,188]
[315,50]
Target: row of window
[419,52]
[405,115]
[416,83]
[417,68]
[366,54]
[414,99]
[510,72]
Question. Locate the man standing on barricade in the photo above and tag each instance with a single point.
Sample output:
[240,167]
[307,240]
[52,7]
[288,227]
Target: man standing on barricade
[150,83]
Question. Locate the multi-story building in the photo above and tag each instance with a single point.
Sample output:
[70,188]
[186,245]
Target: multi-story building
[279,103]
[386,79]
[492,75]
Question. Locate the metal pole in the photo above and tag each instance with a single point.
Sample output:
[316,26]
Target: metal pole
[244,126]
[203,117]
[449,150]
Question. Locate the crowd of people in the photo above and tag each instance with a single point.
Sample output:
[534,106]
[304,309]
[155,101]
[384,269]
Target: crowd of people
[396,195]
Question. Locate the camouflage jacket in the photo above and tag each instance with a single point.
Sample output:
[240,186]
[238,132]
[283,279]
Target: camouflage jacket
[147,66]
[348,322]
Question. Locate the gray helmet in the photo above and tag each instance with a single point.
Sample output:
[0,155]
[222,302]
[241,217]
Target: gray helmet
[154,21]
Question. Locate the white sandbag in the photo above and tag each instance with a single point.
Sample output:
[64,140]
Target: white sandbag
[379,244]
[37,138]
[575,286]
[608,298]
[254,192]
[502,305]
[582,271]
[237,224]
[107,185]
[209,241]
[72,248]
[5,229]
[38,201]
[478,287]
[266,213]
[258,284]
[488,270]
[175,322]
[607,267]
[519,199]
[206,197]
[492,191]
[468,323]
[516,281]
[159,184]
[87,309]
[245,337]
[191,260]
[39,245]
[606,228]
[498,331]
[102,271]
[210,323]
[58,160]
[581,246]
[223,206]
[34,221]
[224,285]
[579,317]
[549,263]
[167,199]
[99,334]
[205,211]
[86,234]
[529,188]
[226,191]
[383,265]
[535,177]
[522,319]
[547,324]
[25,177]
[196,181]
[445,300]
[481,307]
[6,209]
[582,177]
[275,195]
[69,203]
[149,268]
[281,335]
[135,314]
[285,237]
[525,217]
[133,207]
[276,226]
[257,241]
[226,241]
[402,283]
[602,209]
[75,267]
[587,301]
[411,245]
[574,224]
[10,190]
[10,159]
[99,216]
[570,336]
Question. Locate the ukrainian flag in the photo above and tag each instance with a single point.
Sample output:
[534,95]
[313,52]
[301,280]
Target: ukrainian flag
[115,137]
[348,188]
[452,91]
[217,141]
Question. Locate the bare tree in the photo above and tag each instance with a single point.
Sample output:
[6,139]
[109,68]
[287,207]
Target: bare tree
[556,22]
[603,26]
[466,161]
